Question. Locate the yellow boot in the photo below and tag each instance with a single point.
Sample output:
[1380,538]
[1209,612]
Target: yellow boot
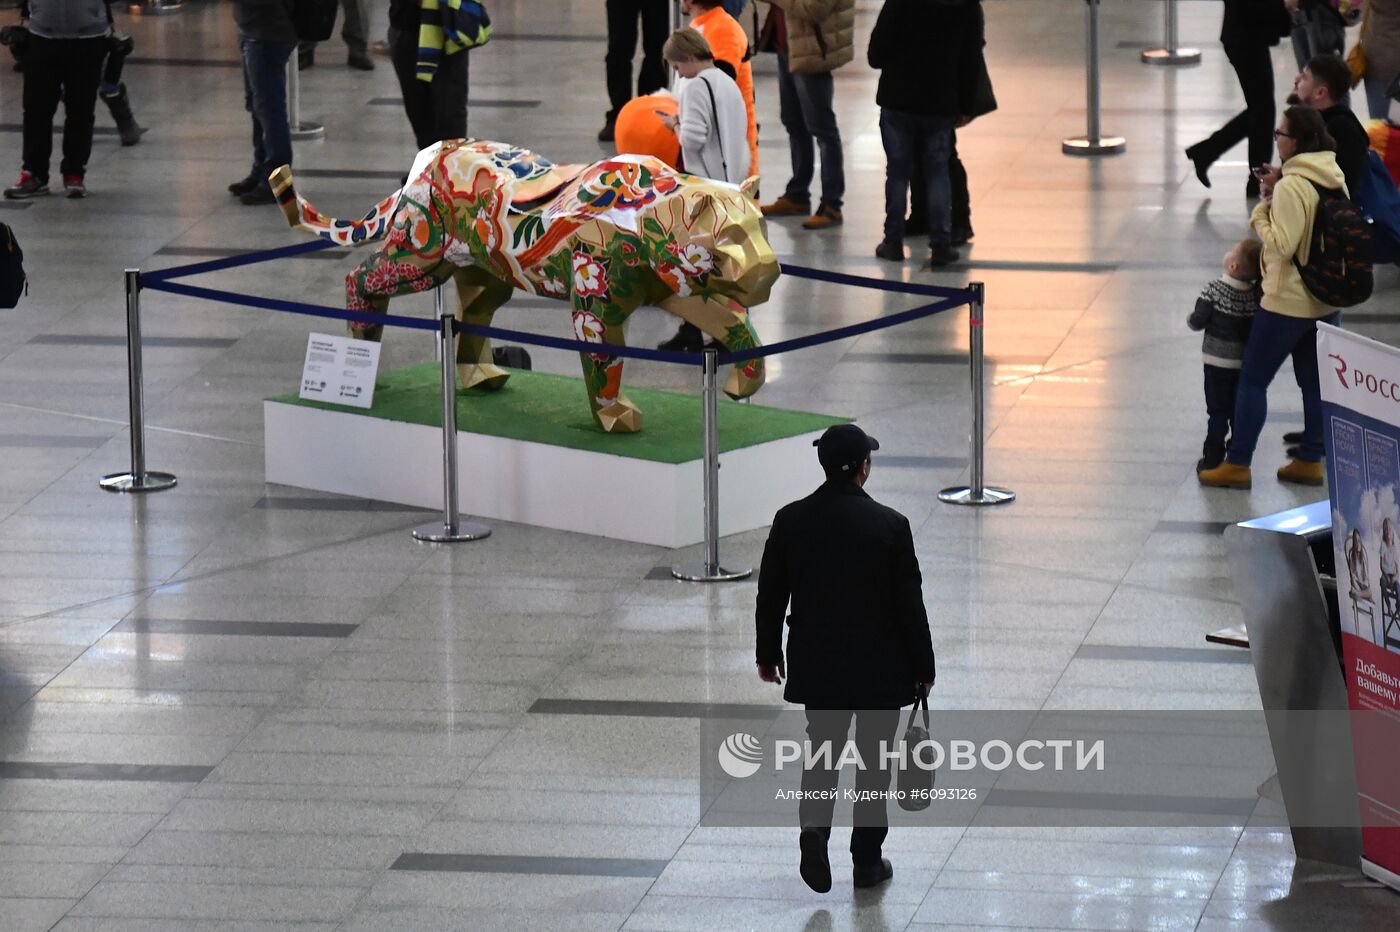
[1226,476]
[1302,472]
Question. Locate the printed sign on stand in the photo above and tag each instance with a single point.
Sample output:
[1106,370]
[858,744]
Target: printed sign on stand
[1361,425]
[339,370]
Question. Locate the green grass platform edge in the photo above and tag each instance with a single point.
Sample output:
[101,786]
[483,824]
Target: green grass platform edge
[553,409]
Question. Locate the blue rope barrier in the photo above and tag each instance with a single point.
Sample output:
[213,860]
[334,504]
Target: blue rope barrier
[293,307]
[877,284]
[841,333]
[233,262]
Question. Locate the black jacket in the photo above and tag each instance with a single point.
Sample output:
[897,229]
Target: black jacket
[1353,146]
[1255,22]
[929,53]
[268,20]
[858,637]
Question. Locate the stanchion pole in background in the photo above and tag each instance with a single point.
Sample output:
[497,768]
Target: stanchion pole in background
[138,479]
[677,19]
[449,530]
[976,493]
[1093,142]
[1171,54]
[710,570]
[300,129]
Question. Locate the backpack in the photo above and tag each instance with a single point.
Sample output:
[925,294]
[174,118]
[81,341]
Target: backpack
[13,282]
[1338,272]
[314,20]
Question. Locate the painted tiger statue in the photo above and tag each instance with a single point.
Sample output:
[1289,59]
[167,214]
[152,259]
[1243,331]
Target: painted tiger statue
[607,238]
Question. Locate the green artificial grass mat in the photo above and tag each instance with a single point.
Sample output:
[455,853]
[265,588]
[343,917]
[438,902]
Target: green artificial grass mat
[553,409]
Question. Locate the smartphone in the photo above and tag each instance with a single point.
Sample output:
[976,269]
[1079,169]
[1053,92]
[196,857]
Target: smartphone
[1260,171]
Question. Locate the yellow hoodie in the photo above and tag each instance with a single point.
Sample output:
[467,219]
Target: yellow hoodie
[1285,225]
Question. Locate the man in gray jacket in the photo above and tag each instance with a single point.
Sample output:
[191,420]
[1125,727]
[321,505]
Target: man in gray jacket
[68,39]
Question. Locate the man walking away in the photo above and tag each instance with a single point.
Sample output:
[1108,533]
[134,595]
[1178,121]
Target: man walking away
[818,37]
[353,32]
[68,40]
[858,643]
[929,53]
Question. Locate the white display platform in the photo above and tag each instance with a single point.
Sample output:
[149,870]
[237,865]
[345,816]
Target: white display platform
[533,483]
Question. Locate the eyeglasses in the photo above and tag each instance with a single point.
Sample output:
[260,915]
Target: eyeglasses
[1278,133]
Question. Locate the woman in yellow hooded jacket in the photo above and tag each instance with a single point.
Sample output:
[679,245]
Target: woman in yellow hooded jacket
[1286,324]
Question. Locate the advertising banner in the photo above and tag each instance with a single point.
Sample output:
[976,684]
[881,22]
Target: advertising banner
[1361,424]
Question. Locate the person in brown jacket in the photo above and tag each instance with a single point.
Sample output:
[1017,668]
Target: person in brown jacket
[818,36]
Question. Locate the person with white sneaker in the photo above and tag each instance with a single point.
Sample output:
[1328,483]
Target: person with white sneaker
[68,41]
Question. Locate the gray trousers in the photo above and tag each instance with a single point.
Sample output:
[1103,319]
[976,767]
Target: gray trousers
[353,30]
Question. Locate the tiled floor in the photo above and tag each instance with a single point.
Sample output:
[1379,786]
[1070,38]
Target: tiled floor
[242,706]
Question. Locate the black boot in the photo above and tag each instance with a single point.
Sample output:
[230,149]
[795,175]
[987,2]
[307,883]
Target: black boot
[120,105]
[688,339]
[1212,455]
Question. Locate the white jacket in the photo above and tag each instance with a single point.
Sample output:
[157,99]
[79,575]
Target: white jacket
[714,127]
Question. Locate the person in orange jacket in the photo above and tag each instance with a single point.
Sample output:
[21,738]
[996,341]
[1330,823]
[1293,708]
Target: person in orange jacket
[730,44]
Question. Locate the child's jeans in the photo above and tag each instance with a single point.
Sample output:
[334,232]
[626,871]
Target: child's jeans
[1221,386]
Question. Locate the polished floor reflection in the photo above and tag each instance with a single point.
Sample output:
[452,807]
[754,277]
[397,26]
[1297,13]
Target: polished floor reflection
[242,706]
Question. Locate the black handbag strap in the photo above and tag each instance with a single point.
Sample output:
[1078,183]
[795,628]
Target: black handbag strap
[714,120]
[921,703]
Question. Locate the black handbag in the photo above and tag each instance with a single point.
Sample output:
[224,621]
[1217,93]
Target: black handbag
[982,100]
[314,20]
[916,779]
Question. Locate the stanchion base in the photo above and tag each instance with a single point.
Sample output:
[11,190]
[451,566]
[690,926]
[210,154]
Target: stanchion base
[1171,57]
[963,495]
[162,9]
[1083,145]
[435,532]
[146,482]
[700,572]
[307,130]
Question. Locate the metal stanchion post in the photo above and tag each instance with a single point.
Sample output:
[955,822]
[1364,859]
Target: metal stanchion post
[1171,54]
[138,479]
[710,570]
[300,129]
[677,19]
[1093,143]
[449,529]
[976,493]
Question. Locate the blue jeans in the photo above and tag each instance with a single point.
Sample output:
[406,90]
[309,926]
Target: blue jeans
[911,137]
[804,103]
[1376,101]
[265,97]
[1272,339]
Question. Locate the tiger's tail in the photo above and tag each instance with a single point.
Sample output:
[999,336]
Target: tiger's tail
[303,216]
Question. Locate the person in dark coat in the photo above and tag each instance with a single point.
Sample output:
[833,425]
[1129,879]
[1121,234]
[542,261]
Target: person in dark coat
[858,643]
[930,60]
[1251,28]
[1322,84]
[436,109]
[267,37]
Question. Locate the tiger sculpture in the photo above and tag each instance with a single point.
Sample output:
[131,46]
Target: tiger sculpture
[607,238]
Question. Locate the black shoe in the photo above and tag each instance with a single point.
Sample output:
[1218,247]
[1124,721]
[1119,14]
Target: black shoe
[688,339]
[916,225]
[872,875]
[262,194]
[360,62]
[1201,163]
[962,235]
[1294,437]
[816,867]
[609,131]
[239,188]
[1211,457]
[942,254]
[306,57]
[890,250]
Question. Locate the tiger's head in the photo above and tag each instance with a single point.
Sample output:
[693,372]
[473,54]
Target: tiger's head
[719,246]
